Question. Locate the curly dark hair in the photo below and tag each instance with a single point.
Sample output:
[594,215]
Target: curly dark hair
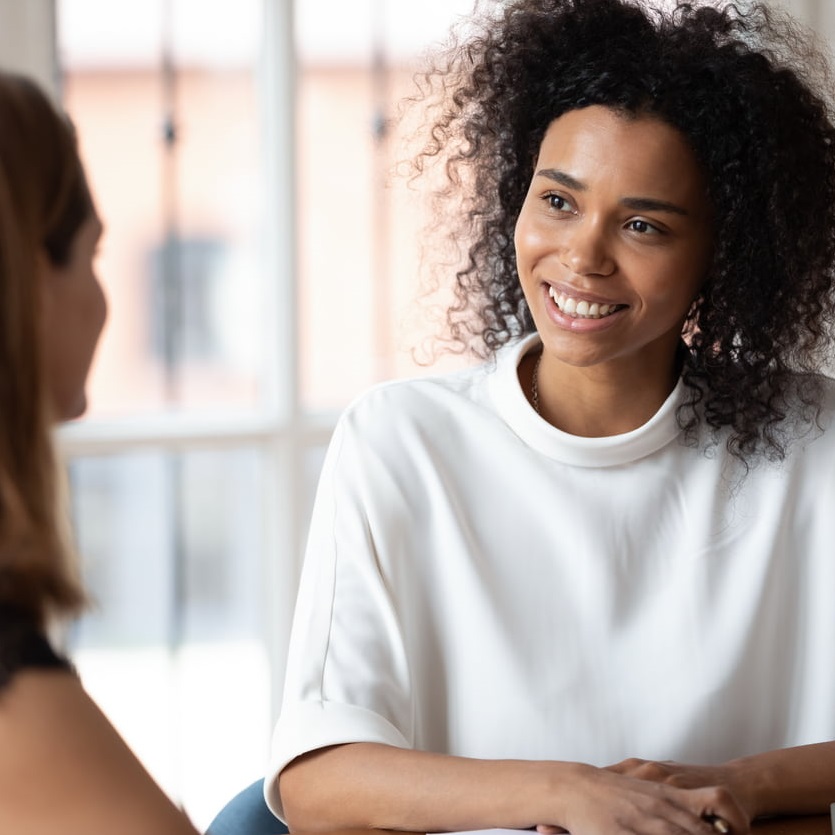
[744,87]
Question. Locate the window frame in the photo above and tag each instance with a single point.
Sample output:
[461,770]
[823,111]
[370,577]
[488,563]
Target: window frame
[279,430]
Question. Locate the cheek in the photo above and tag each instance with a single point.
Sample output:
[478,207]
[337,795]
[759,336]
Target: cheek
[519,237]
[531,239]
[675,283]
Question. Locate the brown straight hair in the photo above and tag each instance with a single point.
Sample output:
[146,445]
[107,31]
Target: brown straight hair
[44,200]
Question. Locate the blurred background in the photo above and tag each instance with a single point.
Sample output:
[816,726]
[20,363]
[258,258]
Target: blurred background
[262,263]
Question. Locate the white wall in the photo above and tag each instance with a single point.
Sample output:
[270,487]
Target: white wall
[27,39]
[24,47]
[818,15]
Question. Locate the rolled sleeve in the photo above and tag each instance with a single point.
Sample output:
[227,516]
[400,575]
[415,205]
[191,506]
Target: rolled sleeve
[347,677]
[308,726]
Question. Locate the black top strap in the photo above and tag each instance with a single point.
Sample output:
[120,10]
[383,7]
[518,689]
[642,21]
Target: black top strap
[23,645]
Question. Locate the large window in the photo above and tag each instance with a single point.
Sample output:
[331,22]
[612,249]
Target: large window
[182,474]
[361,306]
[260,261]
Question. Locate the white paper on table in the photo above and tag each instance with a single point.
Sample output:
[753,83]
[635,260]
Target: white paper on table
[486,832]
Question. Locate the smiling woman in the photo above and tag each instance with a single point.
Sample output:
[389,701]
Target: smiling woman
[617,205]
[745,94]
[586,586]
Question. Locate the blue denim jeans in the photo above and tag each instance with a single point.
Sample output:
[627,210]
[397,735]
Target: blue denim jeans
[247,814]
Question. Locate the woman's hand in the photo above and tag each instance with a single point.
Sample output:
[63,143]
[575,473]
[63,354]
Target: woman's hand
[611,801]
[688,777]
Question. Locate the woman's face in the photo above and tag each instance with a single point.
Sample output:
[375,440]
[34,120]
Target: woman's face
[74,311]
[613,240]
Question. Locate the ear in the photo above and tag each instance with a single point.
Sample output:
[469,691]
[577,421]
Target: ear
[43,265]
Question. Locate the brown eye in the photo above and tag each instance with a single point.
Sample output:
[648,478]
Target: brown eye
[641,227]
[557,203]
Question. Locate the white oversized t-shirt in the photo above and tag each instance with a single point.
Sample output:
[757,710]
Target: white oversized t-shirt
[482,584]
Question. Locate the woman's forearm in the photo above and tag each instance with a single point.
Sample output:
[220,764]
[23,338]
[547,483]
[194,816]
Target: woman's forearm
[798,780]
[365,785]
[370,785]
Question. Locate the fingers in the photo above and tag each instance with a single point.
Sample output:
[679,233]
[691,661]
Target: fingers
[656,771]
[722,811]
[719,824]
[617,803]
[627,766]
[711,810]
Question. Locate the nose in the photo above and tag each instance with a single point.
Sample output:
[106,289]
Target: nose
[586,250]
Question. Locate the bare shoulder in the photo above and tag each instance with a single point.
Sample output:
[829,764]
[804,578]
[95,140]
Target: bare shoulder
[63,767]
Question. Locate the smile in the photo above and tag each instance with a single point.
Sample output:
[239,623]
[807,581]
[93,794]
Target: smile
[580,308]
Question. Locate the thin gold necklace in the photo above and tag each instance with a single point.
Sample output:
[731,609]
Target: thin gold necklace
[535,385]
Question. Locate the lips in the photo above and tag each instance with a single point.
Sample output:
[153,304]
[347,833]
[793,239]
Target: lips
[579,308]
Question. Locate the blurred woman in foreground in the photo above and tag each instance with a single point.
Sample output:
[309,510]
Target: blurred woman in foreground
[63,768]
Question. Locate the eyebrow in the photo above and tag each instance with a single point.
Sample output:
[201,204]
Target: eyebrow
[639,204]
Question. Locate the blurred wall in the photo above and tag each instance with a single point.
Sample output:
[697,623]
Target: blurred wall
[27,40]
[818,15]
[27,28]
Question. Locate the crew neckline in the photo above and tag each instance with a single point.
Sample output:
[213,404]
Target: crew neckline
[613,450]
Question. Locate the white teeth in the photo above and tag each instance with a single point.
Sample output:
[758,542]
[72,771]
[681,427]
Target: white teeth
[581,309]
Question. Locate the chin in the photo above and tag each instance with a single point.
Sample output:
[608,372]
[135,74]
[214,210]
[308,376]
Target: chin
[73,409]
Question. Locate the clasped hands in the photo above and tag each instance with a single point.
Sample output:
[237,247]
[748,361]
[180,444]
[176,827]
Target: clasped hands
[667,798]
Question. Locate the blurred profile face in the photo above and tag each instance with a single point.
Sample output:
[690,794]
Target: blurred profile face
[74,312]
